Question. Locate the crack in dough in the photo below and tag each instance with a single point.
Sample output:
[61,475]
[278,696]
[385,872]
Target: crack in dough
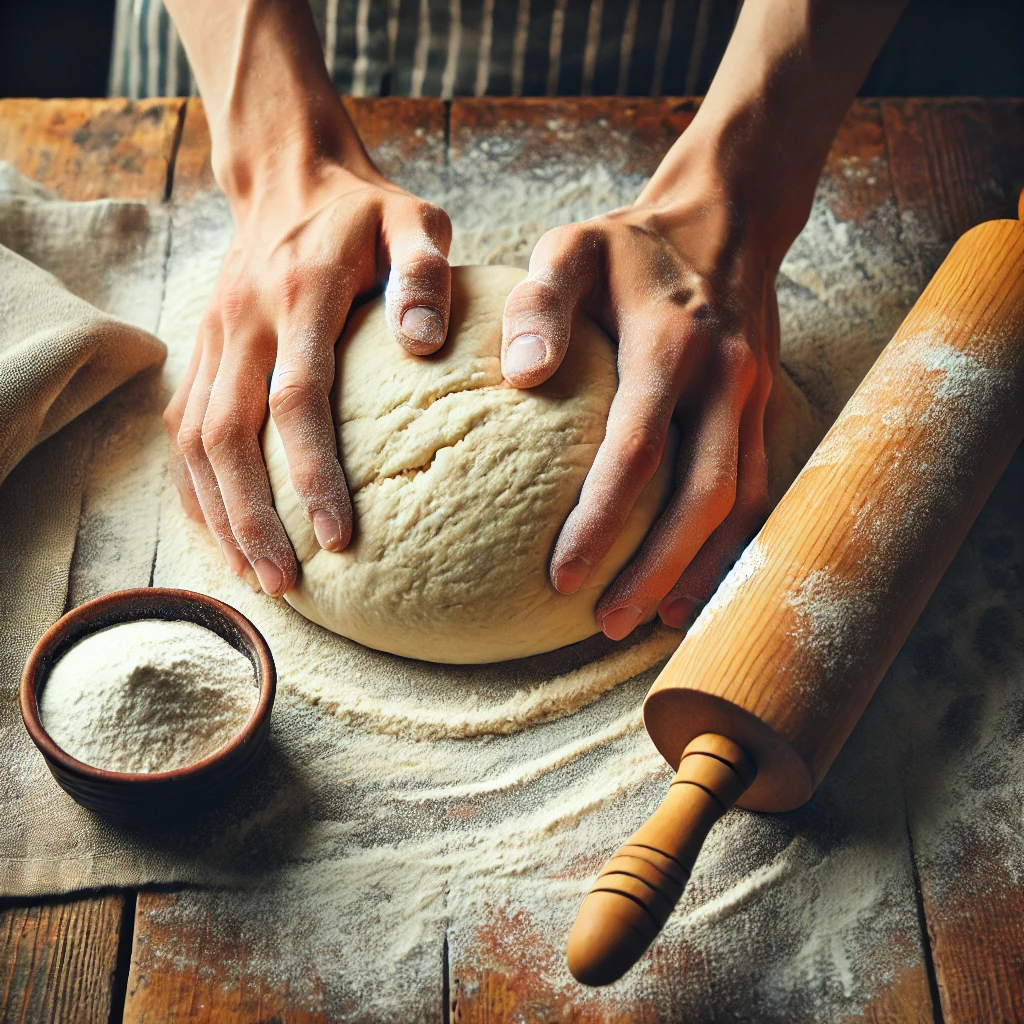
[460,485]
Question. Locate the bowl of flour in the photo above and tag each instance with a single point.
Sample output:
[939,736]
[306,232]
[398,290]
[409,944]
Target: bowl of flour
[149,702]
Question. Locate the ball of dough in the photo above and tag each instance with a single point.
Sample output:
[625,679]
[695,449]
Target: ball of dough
[460,485]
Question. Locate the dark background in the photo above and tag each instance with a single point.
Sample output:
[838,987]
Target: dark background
[939,48]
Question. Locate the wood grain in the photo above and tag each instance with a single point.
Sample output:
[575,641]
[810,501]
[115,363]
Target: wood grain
[395,131]
[92,149]
[628,135]
[975,916]
[202,973]
[58,960]
[954,162]
[502,972]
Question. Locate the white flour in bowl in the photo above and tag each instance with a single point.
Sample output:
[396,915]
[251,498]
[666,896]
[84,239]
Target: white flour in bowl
[147,696]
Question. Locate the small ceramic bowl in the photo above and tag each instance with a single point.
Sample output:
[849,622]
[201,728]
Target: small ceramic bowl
[134,796]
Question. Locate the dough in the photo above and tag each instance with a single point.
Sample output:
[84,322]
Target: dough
[461,485]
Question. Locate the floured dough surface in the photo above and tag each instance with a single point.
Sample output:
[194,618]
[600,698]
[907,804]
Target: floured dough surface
[460,484]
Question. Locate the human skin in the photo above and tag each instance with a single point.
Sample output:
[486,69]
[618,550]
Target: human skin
[683,279]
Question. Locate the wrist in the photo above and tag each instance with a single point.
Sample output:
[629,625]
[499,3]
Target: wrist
[739,164]
[288,141]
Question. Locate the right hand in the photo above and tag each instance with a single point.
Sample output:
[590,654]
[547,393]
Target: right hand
[305,246]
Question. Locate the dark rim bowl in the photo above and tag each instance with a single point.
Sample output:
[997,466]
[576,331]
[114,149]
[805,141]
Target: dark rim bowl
[136,795]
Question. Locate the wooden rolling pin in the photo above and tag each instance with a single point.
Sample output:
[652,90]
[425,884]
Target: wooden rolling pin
[771,679]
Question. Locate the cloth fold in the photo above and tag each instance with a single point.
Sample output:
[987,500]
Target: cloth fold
[58,356]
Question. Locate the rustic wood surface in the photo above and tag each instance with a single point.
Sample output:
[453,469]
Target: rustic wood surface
[949,163]
[59,960]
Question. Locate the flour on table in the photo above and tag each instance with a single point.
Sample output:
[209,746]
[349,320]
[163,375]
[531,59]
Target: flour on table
[147,696]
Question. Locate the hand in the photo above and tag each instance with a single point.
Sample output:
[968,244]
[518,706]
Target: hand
[305,246]
[690,298]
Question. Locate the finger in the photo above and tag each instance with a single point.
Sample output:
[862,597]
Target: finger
[629,455]
[300,404]
[418,293]
[539,310]
[701,578]
[173,415]
[230,434]
[704,496]
[190,441]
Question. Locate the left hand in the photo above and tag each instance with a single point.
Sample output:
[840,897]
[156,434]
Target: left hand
[689,294]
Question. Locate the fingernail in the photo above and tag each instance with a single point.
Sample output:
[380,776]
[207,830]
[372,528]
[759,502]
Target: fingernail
[423,324]
[675,612]
[524,353]
[620,623]
[327,530]
[270,576]
[237,562]
[570,576]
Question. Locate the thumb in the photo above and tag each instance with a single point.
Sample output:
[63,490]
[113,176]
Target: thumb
[539,310]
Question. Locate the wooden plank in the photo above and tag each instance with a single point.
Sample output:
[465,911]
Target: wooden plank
[495,977]
[955,163]
[92,149]
[857,165]
[395,131]
[206,973]
[975,915]
[628,135]
[58,961]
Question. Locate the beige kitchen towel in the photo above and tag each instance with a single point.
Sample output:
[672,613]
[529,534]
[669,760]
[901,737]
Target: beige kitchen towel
[80,290]
[58,356]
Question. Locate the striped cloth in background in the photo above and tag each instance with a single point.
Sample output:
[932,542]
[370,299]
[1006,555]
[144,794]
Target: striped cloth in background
[468,47]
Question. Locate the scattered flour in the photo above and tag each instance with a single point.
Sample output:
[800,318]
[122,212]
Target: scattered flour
[147,696]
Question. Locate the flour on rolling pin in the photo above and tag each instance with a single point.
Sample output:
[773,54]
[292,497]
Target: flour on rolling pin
[958,390]
[147,696]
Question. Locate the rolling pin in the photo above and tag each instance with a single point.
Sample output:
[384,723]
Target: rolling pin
[760,696]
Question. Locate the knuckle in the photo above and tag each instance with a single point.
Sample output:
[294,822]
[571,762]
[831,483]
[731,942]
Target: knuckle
[258,532]
[313,480]
[756,500]
[424,270]
[190,442]
[297,392]
[220,432]
[292,281]
[717,490]
[435,221]
[643,445]
[571,236]
[739,362]
[210,321]
[235,303]
[172,418]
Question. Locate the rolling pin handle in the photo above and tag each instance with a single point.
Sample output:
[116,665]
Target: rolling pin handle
[639,887]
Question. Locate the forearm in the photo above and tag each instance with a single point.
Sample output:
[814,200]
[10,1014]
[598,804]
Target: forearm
[790,72]
[269,101]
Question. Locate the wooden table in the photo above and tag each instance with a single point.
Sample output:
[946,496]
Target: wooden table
[110,956]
